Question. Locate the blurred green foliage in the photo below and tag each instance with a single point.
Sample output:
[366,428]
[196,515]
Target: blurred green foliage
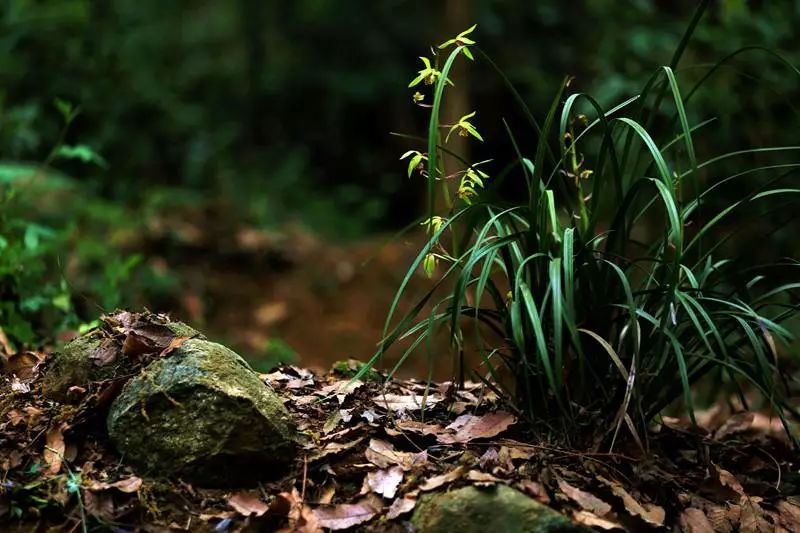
[272,112]
[279,110]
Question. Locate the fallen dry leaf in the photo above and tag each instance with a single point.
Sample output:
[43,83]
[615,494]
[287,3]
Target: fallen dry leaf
[650,513]
[174,344]
[591,520]
[587,501]
[401,506]
[346,515]
[723,518]
[383,455]
[769,424]
[752,518]
[135,345]
[534,490]
[24,365]
[333,448]
[326,493]
[339,389]
[275,377]
[54,449]
[222,515]
[300,516]
[470,427]
[105,353]
[693,520]
[385,481]
[735,424]
[435,482]
[420,428]
[789,515]
[482,478]
[15,417]
[409,402]
[247,504]
[29,414]
[127,485]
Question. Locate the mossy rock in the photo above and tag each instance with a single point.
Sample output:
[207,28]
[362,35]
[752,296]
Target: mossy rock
[202,414]
[475,510]
[76,364]
[96,356]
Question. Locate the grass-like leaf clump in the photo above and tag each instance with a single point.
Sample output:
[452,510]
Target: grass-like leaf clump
[612,289]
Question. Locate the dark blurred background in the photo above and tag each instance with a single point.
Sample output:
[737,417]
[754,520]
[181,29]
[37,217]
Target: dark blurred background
[248,181]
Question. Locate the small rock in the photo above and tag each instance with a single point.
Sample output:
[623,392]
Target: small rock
[500,509]
[202,414]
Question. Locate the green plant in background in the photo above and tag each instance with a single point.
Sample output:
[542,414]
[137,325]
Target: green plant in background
[36,300]
[608,293]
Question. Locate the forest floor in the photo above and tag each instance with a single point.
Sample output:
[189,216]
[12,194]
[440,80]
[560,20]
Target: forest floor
[369,452]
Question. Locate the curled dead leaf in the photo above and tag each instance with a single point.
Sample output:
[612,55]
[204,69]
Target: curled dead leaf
[333,448]
[650,513]
[587,501]
[300,516]
[420,428]
[482,478]
[127,485]
[174,344]
[339,389]
[694,520]
[346,515]
[789,515]
[735,424]
[383,455]
[534,490]
[247,504]
[435,482]
[24,365]
[401,506]
[592,520]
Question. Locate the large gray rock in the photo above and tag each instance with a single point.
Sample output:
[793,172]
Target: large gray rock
[498,509]
[202,414]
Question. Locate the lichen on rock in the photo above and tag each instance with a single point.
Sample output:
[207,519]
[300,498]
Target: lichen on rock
[204,415]
[476,510]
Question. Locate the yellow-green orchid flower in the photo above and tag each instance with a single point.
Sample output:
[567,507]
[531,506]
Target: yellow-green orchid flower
[462,40]
[464,128]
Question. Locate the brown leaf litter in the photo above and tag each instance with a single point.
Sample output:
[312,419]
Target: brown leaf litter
[370,451]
